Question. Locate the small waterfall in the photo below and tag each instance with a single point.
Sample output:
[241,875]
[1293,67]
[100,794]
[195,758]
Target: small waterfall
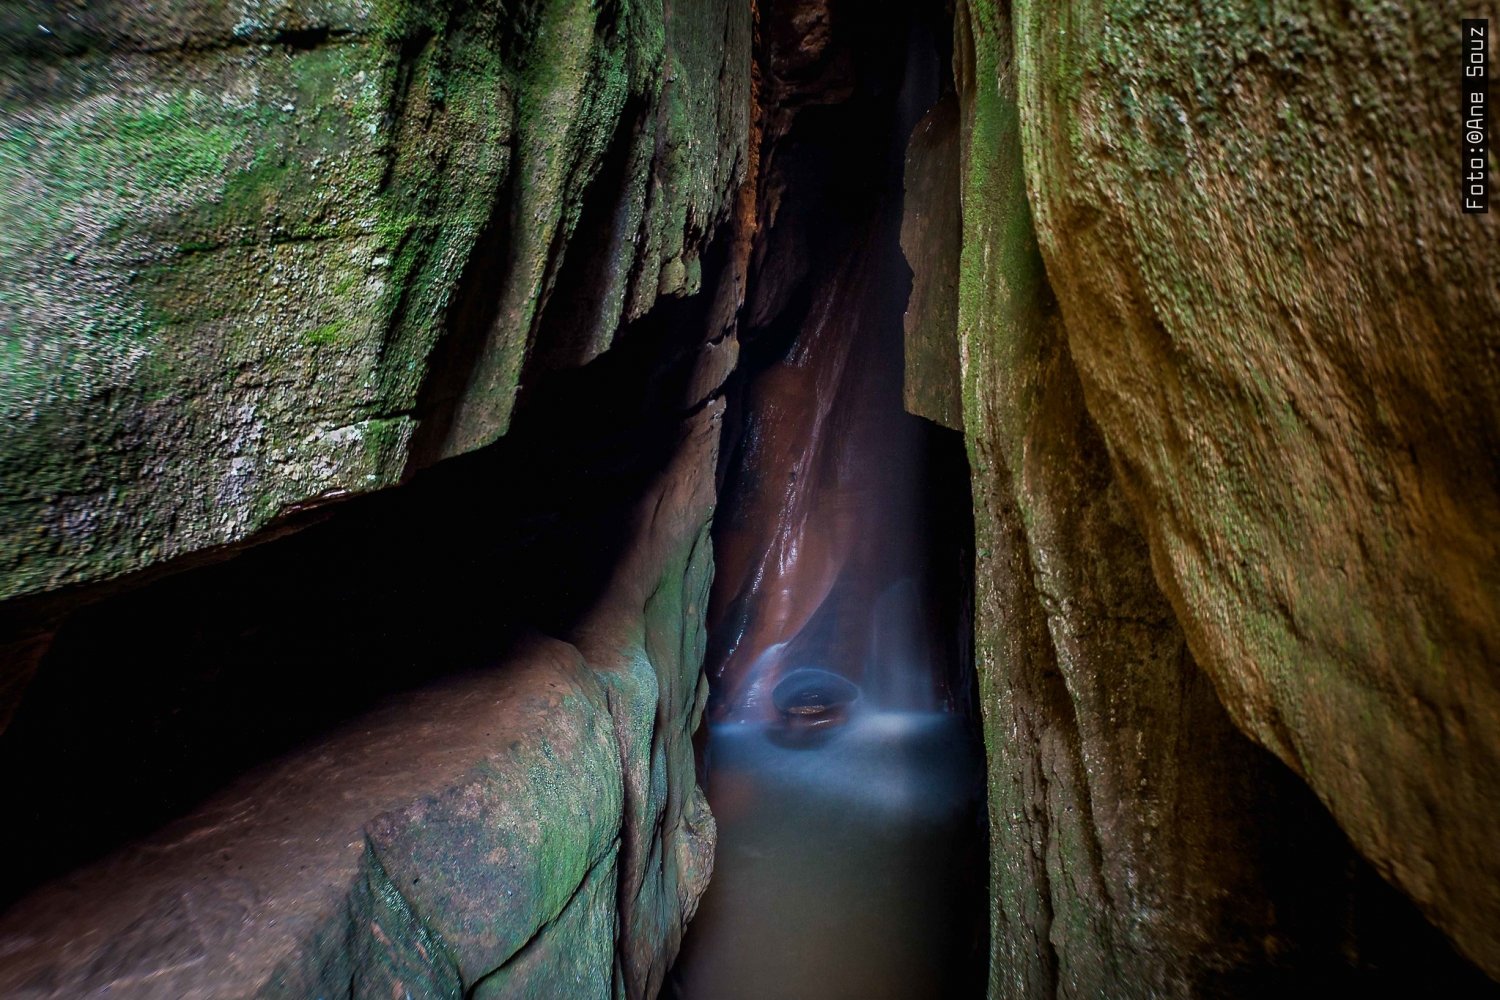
[843,766]
[899,675]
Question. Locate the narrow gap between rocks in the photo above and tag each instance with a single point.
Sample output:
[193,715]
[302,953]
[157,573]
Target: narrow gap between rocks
[842,759]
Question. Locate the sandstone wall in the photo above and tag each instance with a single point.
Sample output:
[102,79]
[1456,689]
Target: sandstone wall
[1286,332]
[1230,389]
[532,828]
[238,236]
[1128,817]
[262,257]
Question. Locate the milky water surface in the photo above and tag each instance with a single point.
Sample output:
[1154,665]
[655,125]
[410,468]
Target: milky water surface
[850,862]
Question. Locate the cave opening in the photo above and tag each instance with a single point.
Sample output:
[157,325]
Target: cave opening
[842,757]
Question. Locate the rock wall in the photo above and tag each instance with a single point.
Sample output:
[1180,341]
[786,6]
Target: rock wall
[1126,810]
[529,827]
[519,812]
[1229,390]
[262,256]
[931,238]
[1286,332]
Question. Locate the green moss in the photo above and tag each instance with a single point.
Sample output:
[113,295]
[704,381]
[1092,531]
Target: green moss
[347,284]
[328,333]
[104,168]
[299,218]
[383,439]
[398,20]
[134,153]
[250,194]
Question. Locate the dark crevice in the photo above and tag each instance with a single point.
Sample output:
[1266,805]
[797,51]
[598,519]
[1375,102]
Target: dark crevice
[833,499]
[302,38]
[573,313]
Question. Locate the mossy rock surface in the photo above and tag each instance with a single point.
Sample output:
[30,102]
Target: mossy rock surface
[236,236]
[1284,330]
[1129,818]
[524,823]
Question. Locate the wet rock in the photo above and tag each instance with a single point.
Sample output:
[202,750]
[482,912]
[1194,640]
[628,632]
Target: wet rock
[1152,455]
[499,832]
[258,264]
[812,693]
[931,232]
[278,888]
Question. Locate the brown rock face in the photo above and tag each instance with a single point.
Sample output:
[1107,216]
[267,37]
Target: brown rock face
[1130,820]
[793,538]
[815,529]
[513,818]
[260,259]
[1286,334]
[931,238]
[1191,278]
[1196,439]
[279,888]
[817,532]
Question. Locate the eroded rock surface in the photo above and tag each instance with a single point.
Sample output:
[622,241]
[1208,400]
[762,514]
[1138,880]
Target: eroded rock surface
[237,236]
[1286,333]
[1128,815]
[280,888]
[931,236]
[1222,347]
[261,258]
[1229,390]
[532,826]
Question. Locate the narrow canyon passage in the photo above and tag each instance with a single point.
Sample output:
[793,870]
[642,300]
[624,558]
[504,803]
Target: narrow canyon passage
[842,758]
[746,500]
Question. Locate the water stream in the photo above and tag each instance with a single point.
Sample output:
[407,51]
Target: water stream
[842,762]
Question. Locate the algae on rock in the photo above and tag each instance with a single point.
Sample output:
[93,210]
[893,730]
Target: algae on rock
[1285,332]
[1232,439]
[268,256]
[1123,863]
[237,241]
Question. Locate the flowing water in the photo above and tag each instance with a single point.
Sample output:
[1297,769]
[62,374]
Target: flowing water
[841,761]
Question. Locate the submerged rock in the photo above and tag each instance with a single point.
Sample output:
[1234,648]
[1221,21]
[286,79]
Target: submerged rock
[812,693]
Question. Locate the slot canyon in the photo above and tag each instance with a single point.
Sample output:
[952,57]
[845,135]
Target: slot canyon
[717,499]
